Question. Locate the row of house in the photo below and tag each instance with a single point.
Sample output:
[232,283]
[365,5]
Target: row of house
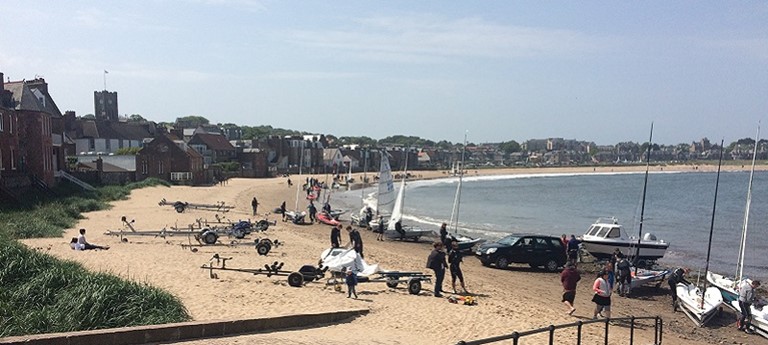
[39,144]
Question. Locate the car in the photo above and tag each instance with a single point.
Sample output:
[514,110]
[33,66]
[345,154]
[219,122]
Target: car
[533,249]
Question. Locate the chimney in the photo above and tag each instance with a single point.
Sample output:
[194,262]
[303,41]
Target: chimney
[2,82]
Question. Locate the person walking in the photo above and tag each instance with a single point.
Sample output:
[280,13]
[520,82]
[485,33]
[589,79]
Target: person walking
[602,297]
[746,298]
[569,277]
[677,276]
[254,205]
[436,262]
[335,237]
[454,260]
[355,240]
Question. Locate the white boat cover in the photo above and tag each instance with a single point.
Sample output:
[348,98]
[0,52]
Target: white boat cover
[342,259]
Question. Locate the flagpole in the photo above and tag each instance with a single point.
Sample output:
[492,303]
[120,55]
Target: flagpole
[105,80]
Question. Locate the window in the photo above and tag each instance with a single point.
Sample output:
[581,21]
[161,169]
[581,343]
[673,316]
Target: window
[160,167]
[603,231]
[109,145]
[13,159]
[614,233]
[144,167]
[1,161]
[11,120]
[1,122]
[181,176]
[91,144]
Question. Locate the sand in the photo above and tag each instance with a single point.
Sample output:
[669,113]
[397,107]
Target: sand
[519,298]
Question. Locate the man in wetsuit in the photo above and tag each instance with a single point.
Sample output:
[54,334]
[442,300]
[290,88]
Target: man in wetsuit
[335,237]
[677,276]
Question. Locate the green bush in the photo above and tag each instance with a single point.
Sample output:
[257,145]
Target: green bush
[42,294]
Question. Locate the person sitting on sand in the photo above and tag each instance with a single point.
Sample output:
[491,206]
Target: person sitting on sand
[82,244]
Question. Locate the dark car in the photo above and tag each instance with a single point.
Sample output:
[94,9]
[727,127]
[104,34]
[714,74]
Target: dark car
[533,249]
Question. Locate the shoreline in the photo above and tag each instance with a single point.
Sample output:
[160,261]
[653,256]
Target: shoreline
[518,298]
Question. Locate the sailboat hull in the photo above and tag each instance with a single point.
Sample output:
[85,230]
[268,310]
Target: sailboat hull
[759,317]
[690,298]
[726,286]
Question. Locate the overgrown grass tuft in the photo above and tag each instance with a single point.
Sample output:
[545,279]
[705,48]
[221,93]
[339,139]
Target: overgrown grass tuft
[42,294]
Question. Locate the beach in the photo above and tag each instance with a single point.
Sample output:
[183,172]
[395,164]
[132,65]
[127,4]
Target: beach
[516,299]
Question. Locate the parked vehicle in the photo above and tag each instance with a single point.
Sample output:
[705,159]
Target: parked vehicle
[532,249]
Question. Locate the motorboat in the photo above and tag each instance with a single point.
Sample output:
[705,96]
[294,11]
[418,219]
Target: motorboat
[606,235]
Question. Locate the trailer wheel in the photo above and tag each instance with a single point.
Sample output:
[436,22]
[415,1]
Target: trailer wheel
[179,206]
[210,237]
[295,279]
[414,286]
[392,283]
[262,248]
[239,233]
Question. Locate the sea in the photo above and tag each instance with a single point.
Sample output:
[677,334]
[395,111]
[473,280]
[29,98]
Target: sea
[678,209]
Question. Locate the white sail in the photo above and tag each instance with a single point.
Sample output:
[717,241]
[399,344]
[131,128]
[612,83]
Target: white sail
[386,197]
[397,211]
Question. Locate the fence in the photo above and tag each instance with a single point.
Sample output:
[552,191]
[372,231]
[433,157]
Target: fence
[658,329]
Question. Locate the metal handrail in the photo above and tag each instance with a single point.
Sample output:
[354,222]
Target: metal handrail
[515,336]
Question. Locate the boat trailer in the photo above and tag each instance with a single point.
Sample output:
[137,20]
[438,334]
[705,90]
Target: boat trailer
[263,246]
[391,278]
[305,274]
[181,206]
[123,233]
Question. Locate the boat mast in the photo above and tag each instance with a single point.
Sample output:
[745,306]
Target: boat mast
[457,198]
[365,171]
[712,224]
[642,205]
[298,183]
[743,244]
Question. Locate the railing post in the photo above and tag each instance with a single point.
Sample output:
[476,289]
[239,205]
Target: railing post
[515,337]
[632,330]
[659,330]
[607,320]
[551,334]
[578,332]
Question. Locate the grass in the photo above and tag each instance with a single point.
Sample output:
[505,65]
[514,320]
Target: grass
[42,294]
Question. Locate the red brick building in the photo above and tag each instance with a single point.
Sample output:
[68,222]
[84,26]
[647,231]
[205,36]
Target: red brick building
[170,160]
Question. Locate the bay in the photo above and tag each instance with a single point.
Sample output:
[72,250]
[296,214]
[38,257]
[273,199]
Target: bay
[678,210]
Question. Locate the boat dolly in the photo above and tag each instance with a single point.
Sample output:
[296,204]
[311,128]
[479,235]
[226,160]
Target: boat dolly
[181,206]
[305,274]
[391,278]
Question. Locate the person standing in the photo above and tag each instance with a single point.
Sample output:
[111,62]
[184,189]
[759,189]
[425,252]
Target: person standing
[351,281]
[335,237]
[746,298]
[436,262]
[602,297]
[564,241]
[569,277]
[623,268]
[312,211]
[454,260]
[356,240]
[677,276]
[573,249]
[254,205]
[290,183]
[282,210]
[380,230]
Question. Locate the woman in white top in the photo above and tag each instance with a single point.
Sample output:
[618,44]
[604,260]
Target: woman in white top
[602,297]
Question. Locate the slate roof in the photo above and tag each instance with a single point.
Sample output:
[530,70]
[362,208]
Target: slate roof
[213,141]
[26,96]
[110,130]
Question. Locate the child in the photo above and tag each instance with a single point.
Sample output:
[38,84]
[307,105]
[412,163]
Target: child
[351,282]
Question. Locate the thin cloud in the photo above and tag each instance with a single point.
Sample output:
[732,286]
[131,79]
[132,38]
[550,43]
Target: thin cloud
[414,38]
[310,75]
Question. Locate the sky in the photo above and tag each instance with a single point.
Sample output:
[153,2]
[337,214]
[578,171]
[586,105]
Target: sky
[599,71]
